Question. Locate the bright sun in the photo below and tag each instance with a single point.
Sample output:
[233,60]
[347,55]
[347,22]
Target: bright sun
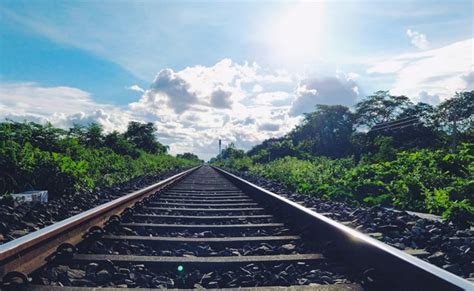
[296,33]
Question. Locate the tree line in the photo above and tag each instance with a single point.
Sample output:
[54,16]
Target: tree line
[379,121]
[43,157]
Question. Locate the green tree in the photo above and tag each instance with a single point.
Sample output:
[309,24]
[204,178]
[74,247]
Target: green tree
[273,149]
[189,156]
[93,136]
[142,135]
[35,156]
[119,144]
[78,132]
[46,137]
[456,115]
[379,108]
[414,127]
[231,152]
[327,131]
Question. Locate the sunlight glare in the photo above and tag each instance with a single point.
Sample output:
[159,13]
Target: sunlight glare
[296,34]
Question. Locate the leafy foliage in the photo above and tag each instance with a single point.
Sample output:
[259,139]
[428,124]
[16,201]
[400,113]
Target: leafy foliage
[234,158]
[143,137]
[190,156]
[379,108]
[326,132]
[424,180]
[33,156]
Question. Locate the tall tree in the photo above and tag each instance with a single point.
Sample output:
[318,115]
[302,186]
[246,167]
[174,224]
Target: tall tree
[119,144]
[142,135]
[456,115]
[413,128]
[327,131]
[189,156]
[379,108]
[231,152]
[94,137]
[78,131]
[272,149]
[46,137]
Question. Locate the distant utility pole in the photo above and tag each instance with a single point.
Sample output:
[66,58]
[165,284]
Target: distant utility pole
[220,146]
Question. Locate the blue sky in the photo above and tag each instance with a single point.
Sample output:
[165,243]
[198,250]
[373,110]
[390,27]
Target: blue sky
[242,71]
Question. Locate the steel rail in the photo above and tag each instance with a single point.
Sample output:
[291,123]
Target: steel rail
[29,252]
[386,267]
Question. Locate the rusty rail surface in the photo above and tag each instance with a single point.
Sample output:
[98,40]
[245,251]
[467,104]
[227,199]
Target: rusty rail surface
[28,253]
[385,266]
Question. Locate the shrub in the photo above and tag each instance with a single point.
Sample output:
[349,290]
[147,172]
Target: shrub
[65,164]
[425,180]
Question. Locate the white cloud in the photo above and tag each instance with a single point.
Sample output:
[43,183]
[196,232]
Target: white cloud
[469,81]
[221,99]
[257,88]
[61,106]
[427,98]
[328,90]
[192,106]
[136,88]
[418,39]
[171,88]
[437,72]
[204,95]
[267,126]
[32,98]
[276,98]
[112,119]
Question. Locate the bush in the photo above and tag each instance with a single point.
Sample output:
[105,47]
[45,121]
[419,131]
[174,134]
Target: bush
[423,180]
[316,177]
[65,164]
[461,213]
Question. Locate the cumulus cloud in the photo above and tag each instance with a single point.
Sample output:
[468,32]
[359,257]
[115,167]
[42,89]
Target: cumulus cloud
[61,106]
[267,126]
[438,72]
[276,98]
[327,90]
[201,88]
[418,39]
[175,89]
[136,88]
[469,81]
[221,99]
[425,97]
[113,119]
[202,97]
[257,88]
[34,99]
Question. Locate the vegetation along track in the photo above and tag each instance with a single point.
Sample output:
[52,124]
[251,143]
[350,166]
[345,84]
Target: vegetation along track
[206,228]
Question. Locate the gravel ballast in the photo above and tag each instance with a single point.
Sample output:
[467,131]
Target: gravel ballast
[133,276]
[28,217]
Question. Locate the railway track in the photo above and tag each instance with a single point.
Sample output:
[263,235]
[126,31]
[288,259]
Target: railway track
[206,228]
